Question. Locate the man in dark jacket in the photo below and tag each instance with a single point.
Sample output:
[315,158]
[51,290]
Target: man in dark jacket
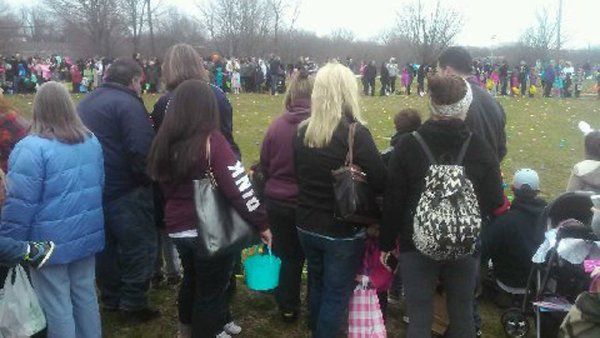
[274,73]
[486,116]
[116,114]
[512,239]
[503,78]
[370,75]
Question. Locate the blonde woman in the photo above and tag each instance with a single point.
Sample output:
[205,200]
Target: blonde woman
[333,249]
[281,191]
[54,192]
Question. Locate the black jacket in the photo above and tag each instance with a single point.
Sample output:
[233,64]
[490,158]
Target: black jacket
[409,166]
[486,118]
[512,239]
[313,170]
[370,72]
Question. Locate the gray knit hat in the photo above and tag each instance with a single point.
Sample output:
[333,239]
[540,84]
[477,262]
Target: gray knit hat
[456,109]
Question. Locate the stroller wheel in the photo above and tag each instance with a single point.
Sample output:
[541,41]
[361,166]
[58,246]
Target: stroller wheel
[515,323]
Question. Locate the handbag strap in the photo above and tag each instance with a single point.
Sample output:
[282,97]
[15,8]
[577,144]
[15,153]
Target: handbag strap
[350,154]
[209,170]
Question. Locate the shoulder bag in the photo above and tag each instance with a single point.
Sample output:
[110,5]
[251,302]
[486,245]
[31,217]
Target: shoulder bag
[354,199]
[221,229]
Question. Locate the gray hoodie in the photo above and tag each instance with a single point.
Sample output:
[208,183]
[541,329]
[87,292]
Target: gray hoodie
[585,177]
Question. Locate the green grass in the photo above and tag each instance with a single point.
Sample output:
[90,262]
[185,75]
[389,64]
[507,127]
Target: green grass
[535,128]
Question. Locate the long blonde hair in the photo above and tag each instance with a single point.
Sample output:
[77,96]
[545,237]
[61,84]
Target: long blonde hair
[182,62]
[335,95]
[55,117]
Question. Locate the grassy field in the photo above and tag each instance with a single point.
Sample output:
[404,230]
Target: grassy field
[542,134]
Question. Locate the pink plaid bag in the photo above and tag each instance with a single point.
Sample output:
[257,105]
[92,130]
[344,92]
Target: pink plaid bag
[365,319]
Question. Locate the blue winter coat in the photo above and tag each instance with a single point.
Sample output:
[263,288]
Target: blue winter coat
[54,192]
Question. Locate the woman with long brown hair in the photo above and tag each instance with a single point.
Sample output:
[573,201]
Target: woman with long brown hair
[54,192]
[178,157]
[182,62]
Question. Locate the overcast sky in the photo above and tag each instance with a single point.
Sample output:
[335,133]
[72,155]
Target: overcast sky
[504,19]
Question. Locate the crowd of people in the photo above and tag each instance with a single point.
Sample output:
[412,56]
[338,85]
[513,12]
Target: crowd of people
[100,194]
[260,75]
[498,78]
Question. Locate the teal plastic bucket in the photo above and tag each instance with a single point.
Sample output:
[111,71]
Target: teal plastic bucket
[262,271]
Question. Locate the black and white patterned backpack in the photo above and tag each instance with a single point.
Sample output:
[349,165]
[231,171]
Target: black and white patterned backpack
[447,220]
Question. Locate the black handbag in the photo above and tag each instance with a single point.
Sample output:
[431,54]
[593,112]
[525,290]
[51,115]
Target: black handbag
[220,227]
[355,201]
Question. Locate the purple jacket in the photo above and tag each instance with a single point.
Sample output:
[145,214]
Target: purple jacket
[234,184]
[277,153]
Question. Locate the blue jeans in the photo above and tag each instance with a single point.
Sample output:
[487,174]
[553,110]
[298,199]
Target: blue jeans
[332,268]
[67,294]
[126,265]
[12,252]
[203,300]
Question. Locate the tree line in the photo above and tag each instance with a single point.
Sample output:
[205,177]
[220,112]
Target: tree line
[243,28]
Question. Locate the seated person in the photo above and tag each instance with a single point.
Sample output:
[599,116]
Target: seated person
[586,174]
[406,121]
[512,239]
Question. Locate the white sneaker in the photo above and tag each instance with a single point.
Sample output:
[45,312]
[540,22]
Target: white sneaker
[223,335]
[232,328]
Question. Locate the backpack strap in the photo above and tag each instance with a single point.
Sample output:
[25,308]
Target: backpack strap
[424,147]
[463,150]
[350,154]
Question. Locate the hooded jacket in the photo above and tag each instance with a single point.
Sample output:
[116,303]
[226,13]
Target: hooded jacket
[585,177]
[409,165]
[232,181]
[512,239]
[277,153]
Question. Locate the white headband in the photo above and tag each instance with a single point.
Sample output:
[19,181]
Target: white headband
[459,108]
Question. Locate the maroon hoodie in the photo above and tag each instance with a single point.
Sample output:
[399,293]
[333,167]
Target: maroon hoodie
[232,180]
[277,153]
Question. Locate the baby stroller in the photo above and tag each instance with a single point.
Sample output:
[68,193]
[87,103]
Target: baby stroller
[557,276]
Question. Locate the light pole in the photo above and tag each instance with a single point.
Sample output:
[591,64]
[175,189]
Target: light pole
[492,49]
[558,24]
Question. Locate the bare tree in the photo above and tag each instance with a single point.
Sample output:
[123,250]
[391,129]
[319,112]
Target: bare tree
[37,25]
[429,31]
[343,35]
[285,13]
[237,27]
[100,21]
[540,39]
[9,27]
[134,13]
[174,27]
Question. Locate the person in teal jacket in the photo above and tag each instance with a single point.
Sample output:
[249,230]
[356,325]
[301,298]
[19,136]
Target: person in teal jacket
[54,193]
